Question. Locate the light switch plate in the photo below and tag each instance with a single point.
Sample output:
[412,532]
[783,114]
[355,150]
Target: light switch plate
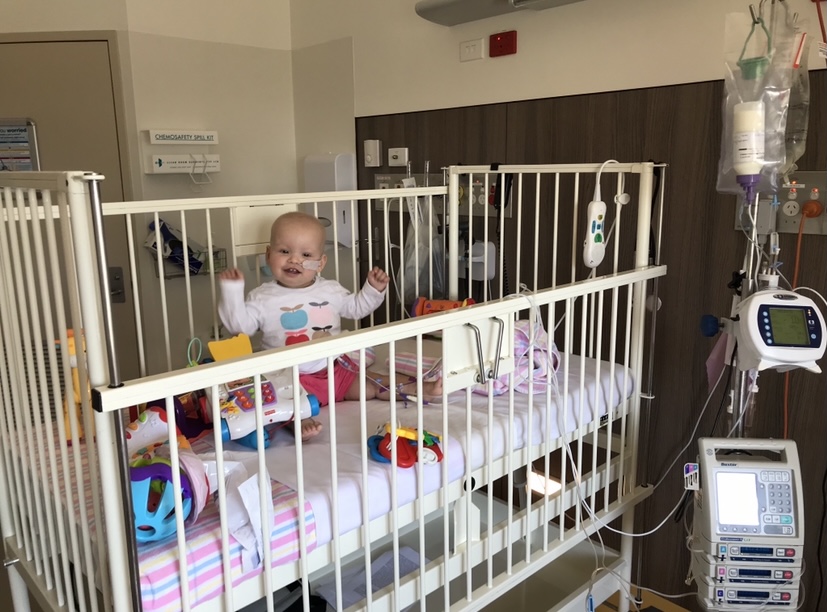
[373,153]
[398,157]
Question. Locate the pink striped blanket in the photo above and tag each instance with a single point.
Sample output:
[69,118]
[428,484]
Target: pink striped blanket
[159,561]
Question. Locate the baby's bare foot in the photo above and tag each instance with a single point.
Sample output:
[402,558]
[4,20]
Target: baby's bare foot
[310,429]
[431,390]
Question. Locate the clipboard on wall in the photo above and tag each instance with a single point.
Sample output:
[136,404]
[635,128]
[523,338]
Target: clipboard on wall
[18,145]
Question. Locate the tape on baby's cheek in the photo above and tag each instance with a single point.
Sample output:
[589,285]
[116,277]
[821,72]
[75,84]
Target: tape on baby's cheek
[312,264]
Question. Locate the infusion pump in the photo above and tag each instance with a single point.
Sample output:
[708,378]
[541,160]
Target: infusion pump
[779,329]
[748,535]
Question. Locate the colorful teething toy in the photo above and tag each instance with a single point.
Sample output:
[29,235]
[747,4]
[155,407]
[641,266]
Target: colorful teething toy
[407,450]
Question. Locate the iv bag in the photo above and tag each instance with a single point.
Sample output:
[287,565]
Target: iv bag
[758,74]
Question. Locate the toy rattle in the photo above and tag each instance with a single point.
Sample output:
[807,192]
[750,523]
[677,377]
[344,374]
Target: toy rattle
[151,478]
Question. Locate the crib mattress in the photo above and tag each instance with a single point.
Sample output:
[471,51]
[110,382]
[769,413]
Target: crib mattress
[158,561]
[605,387]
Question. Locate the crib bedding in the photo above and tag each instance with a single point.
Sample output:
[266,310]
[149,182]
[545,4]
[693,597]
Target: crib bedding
[604,385]
[160,582]
[158,561]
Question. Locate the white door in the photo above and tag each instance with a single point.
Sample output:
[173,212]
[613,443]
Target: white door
[67,89]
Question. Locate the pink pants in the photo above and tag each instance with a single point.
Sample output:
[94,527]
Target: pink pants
[315,383]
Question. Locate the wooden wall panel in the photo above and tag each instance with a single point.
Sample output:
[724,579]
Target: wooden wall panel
[679,125]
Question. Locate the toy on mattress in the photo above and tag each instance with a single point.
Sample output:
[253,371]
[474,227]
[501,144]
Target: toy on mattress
[238,398]
[408,448]
[152,477]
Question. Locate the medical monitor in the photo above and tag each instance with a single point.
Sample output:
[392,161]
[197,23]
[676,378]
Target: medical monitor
[779,329]
[751,491]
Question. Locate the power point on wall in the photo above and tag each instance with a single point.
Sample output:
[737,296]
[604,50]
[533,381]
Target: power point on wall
[502,43]
[791,208]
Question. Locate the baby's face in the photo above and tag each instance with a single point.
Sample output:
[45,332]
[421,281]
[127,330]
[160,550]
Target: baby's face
[296,254]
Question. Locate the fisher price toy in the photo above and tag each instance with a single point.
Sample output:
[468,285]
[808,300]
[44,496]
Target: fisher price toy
[423,306]
[238,398]
[407,448]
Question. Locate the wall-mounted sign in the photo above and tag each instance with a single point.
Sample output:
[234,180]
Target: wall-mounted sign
[185,137]
[18,145]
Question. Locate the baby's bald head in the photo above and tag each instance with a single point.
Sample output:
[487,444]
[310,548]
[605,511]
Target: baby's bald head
[296,224]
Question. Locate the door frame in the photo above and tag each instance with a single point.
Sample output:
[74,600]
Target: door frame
[124,101]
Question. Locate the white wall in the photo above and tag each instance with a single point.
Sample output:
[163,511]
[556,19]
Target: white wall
[252,23]
[64,15]
[323,97]
[245,93]
[404,63]
[202,65]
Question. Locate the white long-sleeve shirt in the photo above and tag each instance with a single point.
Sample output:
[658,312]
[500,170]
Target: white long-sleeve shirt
[288,316]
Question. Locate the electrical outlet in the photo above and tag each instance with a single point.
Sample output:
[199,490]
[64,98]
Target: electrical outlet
[802,187]
[790,208]
[471,50]
[785,216]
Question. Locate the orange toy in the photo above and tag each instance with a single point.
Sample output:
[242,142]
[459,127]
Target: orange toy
[423,306]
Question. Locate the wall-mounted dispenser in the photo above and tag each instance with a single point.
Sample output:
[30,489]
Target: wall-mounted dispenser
[333,172]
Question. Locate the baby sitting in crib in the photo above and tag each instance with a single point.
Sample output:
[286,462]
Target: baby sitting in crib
[299,305]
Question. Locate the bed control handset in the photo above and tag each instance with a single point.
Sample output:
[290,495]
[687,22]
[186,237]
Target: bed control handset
[594,246]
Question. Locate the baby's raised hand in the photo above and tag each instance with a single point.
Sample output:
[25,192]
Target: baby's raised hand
[231,274]
[378,279]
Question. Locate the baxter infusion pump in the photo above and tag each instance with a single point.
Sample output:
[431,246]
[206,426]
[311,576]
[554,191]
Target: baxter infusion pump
[748,537]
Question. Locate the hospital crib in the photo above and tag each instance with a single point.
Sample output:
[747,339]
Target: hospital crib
[470,528]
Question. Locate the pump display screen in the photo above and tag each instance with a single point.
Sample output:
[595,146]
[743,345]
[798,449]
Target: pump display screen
[737,498]
[789,326]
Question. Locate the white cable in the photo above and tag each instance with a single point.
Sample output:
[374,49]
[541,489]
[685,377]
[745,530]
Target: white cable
[597,180]
[764,255]
[578,480]
[797,289]
[694,430]
[743,412]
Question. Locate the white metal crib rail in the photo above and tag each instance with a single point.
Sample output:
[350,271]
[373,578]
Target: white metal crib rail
[608,492]
[237,229]
[47,255]
[55,280]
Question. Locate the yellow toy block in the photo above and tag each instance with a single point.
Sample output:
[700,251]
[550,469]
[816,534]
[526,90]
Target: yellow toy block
[237,346]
